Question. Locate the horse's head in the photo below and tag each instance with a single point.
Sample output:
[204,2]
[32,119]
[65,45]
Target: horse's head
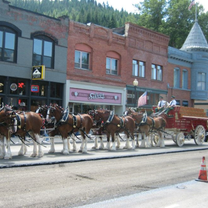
[54,111]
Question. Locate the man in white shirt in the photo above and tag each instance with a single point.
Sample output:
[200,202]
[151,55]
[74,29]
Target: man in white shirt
[171,105]
[161,104]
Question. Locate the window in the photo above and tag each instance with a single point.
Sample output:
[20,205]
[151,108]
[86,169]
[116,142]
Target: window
[201,81]
[176,78]
[185,79]
[185,103]
[43,51]
[17,87]
[111,66]
[56,90]
[138,68]
[156,72]
[81,60]
[7,44]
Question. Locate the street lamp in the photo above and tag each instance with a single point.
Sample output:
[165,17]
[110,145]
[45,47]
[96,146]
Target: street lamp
[135,83]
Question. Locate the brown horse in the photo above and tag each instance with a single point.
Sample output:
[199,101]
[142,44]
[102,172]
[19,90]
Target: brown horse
[20,124]
[146,125]
[68,124]
[114,124]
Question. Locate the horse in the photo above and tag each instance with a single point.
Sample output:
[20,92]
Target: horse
[147,124]
[114,124]
[69,124]
[20,124]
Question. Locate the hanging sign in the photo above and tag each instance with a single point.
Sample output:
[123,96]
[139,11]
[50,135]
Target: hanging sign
[38,72]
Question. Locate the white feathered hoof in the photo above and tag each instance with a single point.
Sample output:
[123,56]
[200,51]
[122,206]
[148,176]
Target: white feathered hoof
[40,154]
[65,152]
[33,155]
[51,151]
[94,148]
[8,156]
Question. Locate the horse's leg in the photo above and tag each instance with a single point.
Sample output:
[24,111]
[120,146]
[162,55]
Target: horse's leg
[143,139]
[108,141]
[39,141]
[52,148]
[127,145]
[162,143]
[23,148]
[2,147]
[85,144]
[95,143]
[133,141]
[101,147]
[74,143]
[8,153]
[118,141]
[65,146]
[113,142]
[137,140]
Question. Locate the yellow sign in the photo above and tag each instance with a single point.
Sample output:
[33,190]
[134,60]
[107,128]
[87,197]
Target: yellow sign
[38,72]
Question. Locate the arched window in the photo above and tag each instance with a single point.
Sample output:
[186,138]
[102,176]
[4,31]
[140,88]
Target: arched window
[82,56]
[112,63]
[8,42]
[43,49]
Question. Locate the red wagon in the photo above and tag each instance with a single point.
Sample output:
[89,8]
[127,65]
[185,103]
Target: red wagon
[186,123]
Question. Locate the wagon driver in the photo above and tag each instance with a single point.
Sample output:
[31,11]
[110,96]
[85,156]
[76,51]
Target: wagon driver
[161,104]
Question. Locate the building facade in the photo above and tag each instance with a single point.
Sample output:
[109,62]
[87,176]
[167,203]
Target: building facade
[31,43]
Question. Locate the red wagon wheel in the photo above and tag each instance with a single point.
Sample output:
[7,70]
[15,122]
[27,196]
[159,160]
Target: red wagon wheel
[199,135]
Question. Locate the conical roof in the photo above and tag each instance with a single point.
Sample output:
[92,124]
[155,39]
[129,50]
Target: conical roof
[195,40]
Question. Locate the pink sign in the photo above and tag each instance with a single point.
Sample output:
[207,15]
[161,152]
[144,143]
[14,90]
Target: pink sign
[94,96]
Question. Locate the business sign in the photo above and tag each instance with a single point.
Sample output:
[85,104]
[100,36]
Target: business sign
[38,72]
[35,88]
[93,96]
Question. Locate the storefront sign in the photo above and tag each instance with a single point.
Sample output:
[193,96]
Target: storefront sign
[94,96]
[13,87]
[38,72]
[35,88]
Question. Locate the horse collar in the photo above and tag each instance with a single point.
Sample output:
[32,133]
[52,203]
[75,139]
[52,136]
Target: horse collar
[110,118]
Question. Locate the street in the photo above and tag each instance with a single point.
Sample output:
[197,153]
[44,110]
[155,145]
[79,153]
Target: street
[81,183]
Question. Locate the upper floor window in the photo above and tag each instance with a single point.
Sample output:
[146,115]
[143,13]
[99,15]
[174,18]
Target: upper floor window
[83,55]
[81,60]
[201,81]
[43,51]
[185,79]
[112,63]
[7,44]
[157,72]
[138,68]
[176,78]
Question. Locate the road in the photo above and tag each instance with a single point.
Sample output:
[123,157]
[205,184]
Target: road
[80,183]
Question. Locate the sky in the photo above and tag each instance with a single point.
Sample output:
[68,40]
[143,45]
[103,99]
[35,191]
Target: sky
[127,4]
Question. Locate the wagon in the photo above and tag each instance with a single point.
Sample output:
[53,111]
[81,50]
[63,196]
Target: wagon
[186,123]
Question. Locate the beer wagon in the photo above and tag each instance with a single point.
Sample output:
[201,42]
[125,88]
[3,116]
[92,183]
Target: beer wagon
[186,123]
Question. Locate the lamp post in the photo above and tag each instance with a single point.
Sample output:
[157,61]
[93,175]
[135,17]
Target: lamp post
[135,83]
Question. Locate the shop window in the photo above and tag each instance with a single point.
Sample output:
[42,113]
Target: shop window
[8,42]
[138,68]
[17,87]
[1,85]
[56,90]
[43,51]
[38,89]
[176,78]
[157,72]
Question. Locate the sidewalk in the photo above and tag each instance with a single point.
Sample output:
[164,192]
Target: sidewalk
[58,157]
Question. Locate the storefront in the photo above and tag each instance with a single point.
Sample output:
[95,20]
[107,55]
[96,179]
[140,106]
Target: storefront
[83,97]
[25,94]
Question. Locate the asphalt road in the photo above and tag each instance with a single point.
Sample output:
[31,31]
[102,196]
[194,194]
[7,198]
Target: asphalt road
[81,183]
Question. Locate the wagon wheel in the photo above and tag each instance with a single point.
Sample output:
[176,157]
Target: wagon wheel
[199,135]
[180,139]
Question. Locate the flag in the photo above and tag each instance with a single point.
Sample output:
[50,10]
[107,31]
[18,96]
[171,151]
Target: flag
[191,4]
[142,99]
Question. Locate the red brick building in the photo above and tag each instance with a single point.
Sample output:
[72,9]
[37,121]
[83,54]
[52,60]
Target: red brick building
[103,63]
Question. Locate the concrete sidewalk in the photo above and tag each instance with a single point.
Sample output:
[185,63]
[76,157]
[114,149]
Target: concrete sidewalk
[58,157]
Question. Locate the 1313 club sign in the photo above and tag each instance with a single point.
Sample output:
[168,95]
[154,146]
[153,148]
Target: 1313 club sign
[38,72]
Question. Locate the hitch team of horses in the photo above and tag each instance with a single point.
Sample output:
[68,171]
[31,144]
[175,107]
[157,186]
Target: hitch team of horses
[135,126]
